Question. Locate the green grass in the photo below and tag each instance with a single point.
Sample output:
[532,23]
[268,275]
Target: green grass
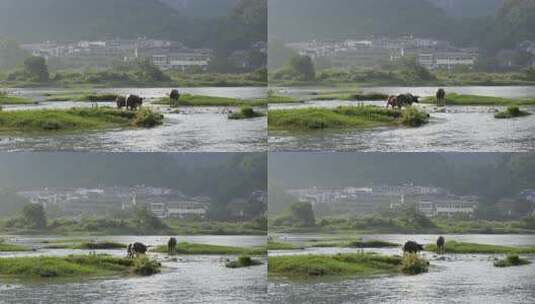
[272,245]
[205,249]
[74,119]
[81,97]
[363,116]
[357,244]
[204,101]
[413,264]
[74,266]
[473,248]
[476,100]
[242,261]
[144,266]
[246,112]
[146,118]
[13,100]
[4,247]
[99,245]
[351,97]
[511,260]
[307,266]
[511,112]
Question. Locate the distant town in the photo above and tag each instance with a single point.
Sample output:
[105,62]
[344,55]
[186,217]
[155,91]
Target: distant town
[167,55]
[107,201]
[431,201]
[430,53]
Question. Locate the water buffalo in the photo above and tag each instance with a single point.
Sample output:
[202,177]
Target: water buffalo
[175,95]
[412,247]
[402,100]
[136,249]
[441,249]
[133,102]
[441,97]
[121,102]
[171,246]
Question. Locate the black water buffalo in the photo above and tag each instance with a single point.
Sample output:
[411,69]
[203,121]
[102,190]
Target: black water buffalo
[441,97]
[412,247]
[171,246]
[402,100]
[135,249]
[121,102]
[441,249]
[133,102]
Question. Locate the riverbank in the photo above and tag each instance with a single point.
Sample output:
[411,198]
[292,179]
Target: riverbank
[362,116]
[6,99]
[206,249]
[76,119]
[74,267]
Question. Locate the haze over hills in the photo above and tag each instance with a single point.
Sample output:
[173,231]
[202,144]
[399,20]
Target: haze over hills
[490,176]
[221,176]
[199,23]
[469,8]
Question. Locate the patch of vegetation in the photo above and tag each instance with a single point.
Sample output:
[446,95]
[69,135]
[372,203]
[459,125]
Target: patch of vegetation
[81,97]
[246,112]
[476,100]
[243,261]
[272,245]
[206,249]
[413,264]
[6,99]
[362,116]
[511,112]
[145,266]
[352,96]
[360,264]
[99,245]
[511,260]
[473,248]
[146,118]
[357,244]
[413,117]
[204,101]
[5,247]
[74,266]
[62,120]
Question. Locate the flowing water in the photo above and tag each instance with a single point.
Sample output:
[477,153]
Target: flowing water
[454,278]
[191,279]
[455,128]
[193,129]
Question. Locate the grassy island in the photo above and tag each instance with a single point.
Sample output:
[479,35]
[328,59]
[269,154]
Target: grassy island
[245,112]
[345,265]
[242,261]
[5,247]
[81,97]
[364,116]
[358,244]
[6,99]
[274,245]
[511,112]
[205,101]
[206,249]
[76,119]
[74,266]
[511,260]
[473,248]
[476,100]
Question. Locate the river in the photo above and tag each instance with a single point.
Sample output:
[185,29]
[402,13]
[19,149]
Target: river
[456,278]
[194,129]
[457,128]
[191,279]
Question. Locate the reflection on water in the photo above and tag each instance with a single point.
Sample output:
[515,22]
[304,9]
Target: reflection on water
[453,279]
[468,129]
[191,279]
[193,129]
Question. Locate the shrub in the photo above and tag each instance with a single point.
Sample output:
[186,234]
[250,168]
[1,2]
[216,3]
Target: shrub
[147,119]
[511,260]
[413,264]
[411,116]
[145,266]
[242,261]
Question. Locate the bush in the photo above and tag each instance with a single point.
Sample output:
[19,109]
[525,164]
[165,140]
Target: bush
[147,119]
[412,117]
[511,112]
[145,266]
[511,260]
[245,113]
[242,261]
[413,264]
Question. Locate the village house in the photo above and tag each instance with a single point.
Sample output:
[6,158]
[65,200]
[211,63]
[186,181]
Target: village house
[453,206]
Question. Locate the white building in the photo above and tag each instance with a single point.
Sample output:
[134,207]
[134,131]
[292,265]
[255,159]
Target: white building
[448,60]
[448,207]
[183,209]
[181,61]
